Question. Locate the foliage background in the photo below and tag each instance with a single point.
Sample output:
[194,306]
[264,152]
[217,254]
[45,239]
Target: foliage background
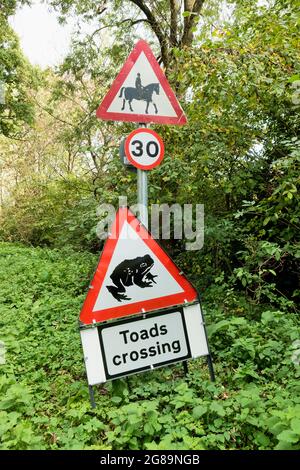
[235,67]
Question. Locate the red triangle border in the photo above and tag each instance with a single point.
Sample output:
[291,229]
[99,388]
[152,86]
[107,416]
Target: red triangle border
[189,294]
[102,113]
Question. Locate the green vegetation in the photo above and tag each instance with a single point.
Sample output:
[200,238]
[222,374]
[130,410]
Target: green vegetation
[235,70]
[254,404]
[18,79]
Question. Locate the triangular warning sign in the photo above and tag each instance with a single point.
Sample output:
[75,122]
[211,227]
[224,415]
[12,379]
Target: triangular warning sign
[134,275]
[141,92]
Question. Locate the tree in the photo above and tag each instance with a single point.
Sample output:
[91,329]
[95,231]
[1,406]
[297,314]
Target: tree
[172,22]
[9,7]
[17,76]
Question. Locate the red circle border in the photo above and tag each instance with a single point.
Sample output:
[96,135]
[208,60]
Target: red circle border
[154,134]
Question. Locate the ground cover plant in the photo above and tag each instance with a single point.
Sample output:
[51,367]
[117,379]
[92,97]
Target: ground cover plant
[44,401]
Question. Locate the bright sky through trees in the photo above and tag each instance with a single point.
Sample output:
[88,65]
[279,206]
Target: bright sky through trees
[44,41]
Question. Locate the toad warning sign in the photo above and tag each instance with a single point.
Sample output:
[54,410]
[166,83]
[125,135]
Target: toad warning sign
[141,312]
[134,275]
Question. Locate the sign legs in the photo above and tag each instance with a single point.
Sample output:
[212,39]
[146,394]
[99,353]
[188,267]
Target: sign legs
[92,396]
[185,368]
[211,368]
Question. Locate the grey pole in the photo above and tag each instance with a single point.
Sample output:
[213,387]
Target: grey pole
[142,192]
[142,189]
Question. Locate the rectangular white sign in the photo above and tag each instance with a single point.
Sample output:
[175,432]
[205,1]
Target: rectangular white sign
[141,343]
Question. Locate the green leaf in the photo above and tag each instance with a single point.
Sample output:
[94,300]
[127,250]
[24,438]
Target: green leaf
[288,436]
[262,439]
[295,425]
[294,78]
[199,411]
[116,399]
[217,408]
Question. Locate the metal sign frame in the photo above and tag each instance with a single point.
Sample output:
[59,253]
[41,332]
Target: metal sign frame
[208,356]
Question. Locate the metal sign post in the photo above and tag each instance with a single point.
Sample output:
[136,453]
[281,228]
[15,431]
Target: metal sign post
[142,195]
[169,325]
[142,192]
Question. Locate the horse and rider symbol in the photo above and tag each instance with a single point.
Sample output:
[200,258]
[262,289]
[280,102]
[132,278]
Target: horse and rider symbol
[140,93]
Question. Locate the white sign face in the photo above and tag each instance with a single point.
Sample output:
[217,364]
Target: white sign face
[144,149]
[141,92]
[139,344]
[140,259]
[126,100]
[134,275]
[127,346]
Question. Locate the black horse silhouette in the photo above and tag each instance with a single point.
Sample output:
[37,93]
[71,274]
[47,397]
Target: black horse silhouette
[145,95]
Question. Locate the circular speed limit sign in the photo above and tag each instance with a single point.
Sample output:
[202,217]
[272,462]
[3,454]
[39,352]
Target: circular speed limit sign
[144,149]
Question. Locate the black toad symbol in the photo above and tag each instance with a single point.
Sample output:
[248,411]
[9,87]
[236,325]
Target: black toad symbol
[129,272]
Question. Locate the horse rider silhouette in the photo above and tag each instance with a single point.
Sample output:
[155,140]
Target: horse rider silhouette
[140,93]
[138,85]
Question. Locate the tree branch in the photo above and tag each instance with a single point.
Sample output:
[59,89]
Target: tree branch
[197,6]
[141,4]
[132,23]
[194,7]
[174,22]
